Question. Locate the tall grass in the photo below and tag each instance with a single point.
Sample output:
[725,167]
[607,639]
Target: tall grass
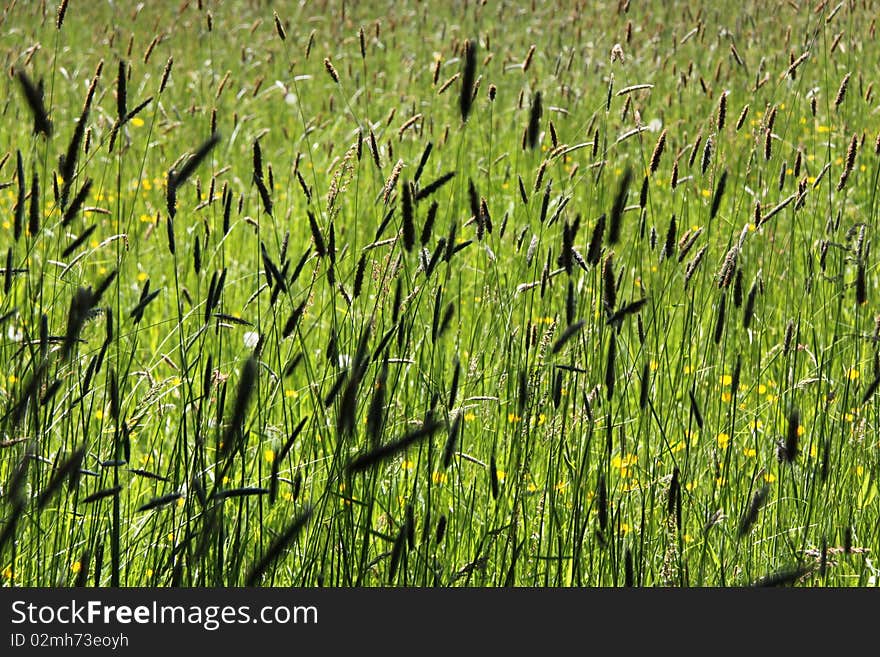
[411,295]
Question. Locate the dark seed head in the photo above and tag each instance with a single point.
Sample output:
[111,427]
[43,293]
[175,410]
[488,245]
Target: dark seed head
[751,515]
[602,503]
[441,529]
[722,111]
[742,117]
[669,245]
[861,286]
[610,367]
[695,410]
[34,96]
[841,91]
[468,77]
[534,129]
[790,449]
[707,156]
[749,311]
[719,324]
[609,285]
[789,337]
[409,229]
[34,214]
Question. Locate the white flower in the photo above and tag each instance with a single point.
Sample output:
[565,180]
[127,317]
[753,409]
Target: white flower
[251,338]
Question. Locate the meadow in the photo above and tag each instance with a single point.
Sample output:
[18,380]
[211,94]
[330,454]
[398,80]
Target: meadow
[439,294]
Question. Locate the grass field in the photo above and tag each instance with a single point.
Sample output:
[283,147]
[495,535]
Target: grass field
[439,294]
